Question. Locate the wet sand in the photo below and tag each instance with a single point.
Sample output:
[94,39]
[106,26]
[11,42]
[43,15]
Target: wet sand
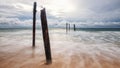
[28,57]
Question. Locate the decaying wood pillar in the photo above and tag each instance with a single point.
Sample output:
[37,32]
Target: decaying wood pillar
[69,26]
[74,27]
[34,23]
[66,27]
[46,36]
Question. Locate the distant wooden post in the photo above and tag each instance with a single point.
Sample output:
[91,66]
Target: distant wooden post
[74,27]
[34,23]
[66,27]
[46,36]
[69,26]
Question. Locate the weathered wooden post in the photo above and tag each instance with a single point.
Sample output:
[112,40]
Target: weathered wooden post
[74,27]
[34,23]
[66,27]
[69,26]
[46,36]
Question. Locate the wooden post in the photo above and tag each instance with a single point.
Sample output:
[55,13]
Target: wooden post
[74,27]
[69,26]
[66,27]
[46,36]
[34,23]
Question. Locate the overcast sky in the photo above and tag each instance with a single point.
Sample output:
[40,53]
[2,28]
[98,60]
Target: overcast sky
[84,13]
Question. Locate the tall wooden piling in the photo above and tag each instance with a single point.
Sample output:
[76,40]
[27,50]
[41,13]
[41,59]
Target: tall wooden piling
[66,27]
[34,23]
[74,27]
[46,36]
[69,26]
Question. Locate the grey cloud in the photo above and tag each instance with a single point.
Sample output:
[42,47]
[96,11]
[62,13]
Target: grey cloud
[92,11]
[8,11]
[97,10]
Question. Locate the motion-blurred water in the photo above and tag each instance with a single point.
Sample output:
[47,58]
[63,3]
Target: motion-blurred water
[72,42]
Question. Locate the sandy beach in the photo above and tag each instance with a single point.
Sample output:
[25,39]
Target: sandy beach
[29,57]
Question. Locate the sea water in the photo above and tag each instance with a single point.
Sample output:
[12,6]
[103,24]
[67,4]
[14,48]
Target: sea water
[88,41]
